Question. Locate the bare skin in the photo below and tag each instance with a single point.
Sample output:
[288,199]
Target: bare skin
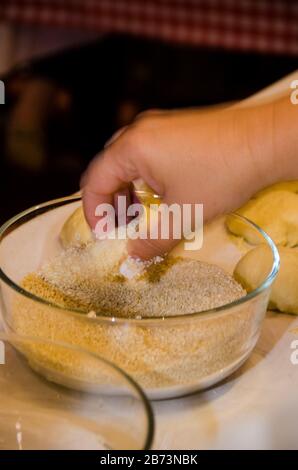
[219,158]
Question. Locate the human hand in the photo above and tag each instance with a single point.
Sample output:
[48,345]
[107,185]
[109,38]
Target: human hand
[192,156]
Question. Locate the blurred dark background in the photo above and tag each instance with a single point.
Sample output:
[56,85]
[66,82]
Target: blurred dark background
[62,108]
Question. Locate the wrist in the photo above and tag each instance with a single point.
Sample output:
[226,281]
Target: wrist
[263,153]
[273,139]
[245,148]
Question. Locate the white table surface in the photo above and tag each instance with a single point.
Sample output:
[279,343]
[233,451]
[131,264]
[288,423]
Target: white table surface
[257,407]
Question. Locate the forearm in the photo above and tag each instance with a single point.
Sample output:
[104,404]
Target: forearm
[285,134]
[271,132]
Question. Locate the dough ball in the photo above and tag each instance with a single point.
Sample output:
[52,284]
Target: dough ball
[76,231]
[275,210]
[253,267]
[291,186]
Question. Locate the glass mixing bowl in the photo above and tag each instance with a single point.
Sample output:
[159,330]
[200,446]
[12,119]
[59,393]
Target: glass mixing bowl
[169,356]
[99,408]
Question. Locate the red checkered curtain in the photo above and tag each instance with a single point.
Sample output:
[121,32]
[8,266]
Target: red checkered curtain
[269,26]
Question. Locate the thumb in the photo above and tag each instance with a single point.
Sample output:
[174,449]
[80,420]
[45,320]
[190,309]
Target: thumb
[154,241]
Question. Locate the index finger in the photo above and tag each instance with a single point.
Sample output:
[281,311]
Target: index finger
[106,174]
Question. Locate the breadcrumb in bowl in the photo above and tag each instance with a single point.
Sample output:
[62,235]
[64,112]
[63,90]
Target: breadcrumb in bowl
[169,355]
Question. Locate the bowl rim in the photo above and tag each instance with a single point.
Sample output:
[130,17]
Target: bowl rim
[55,203]
[13,338]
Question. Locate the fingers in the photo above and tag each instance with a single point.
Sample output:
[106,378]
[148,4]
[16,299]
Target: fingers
[106,175]
[150,113]
[121,213]
[120,132]
[148,249]
[162,231]
[115,136]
